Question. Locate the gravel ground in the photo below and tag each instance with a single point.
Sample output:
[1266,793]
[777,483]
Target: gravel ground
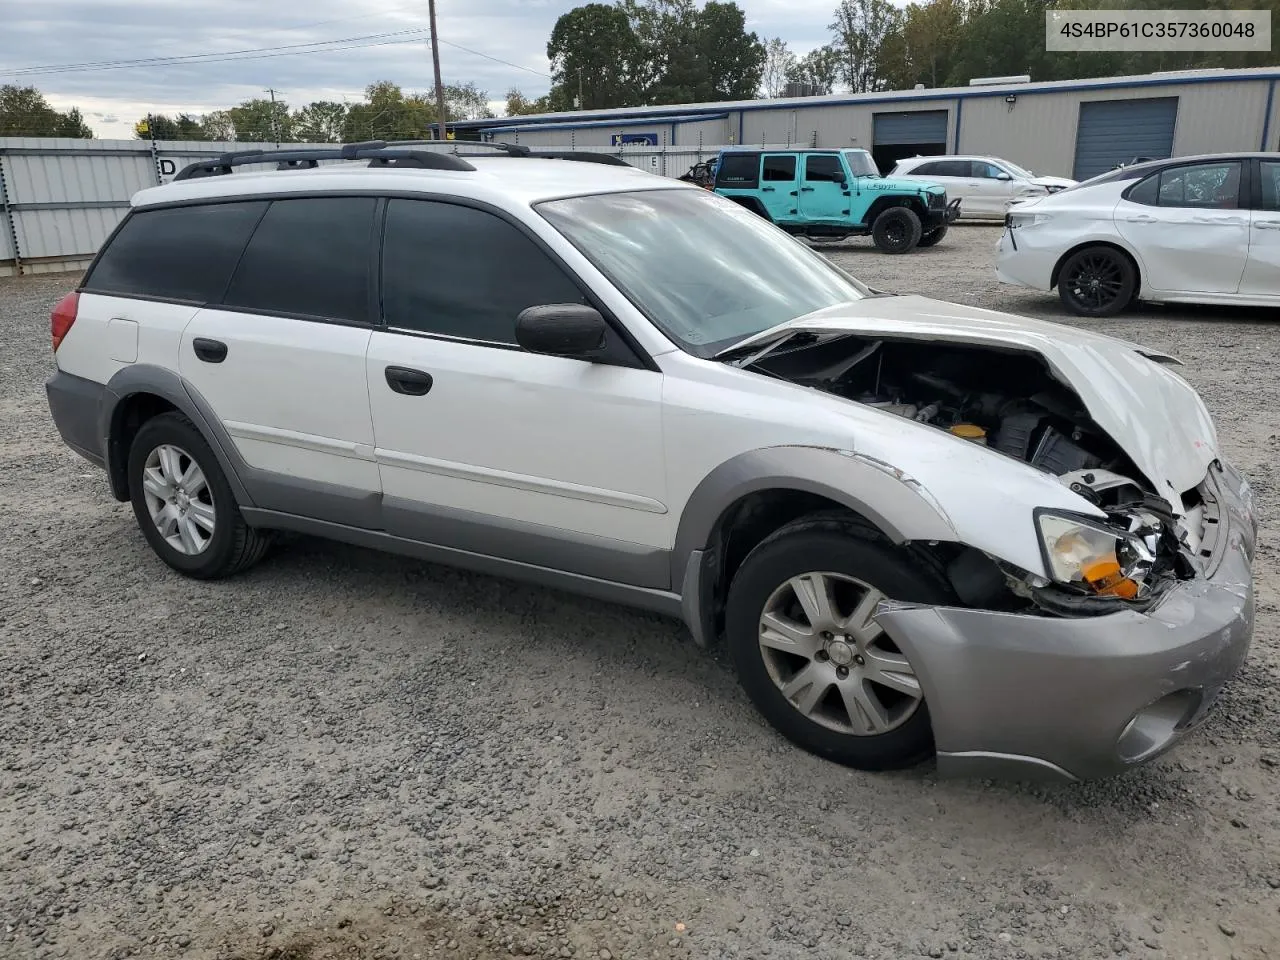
[343,754]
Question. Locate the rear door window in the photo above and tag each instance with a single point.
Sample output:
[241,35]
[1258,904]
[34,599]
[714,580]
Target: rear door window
[309,258]
[778,168]
[176,253]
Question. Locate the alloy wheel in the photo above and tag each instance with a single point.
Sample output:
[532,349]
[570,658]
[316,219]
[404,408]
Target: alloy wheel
[827,655]
[1096,280]
[179,499]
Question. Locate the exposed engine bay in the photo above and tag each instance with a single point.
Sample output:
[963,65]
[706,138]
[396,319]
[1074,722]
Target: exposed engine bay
[1010,401]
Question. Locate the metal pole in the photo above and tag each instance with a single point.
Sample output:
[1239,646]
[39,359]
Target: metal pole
[441,117]
[8,216]
[275,127]
[155,151]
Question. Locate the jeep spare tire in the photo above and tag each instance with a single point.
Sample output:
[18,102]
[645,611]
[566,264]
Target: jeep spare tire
[896,230]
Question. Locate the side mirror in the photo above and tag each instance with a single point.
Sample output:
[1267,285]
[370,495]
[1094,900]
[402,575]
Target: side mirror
[561,330]
[1002,175]
[839,176]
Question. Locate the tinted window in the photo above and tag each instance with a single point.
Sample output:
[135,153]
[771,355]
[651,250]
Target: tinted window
[463,272]
[926,169]
[779,168]
[951,168]
[308,257]
[1270,184]
[740,171]
[1146,191]
[823,167]
[1213,185]
[182,253]
[985,171]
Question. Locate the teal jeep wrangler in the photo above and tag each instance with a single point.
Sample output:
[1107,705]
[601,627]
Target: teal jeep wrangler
[833,194]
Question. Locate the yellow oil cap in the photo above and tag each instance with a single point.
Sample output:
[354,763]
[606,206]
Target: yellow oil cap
[970,431]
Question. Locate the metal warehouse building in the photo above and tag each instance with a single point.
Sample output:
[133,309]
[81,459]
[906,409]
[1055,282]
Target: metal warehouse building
[1073,128]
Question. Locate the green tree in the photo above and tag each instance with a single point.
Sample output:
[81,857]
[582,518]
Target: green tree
[319,122]
[859,30]
[779,65]
[24,112]
[465,102]
[387,114]
[160,127]
[925,46]
[263,121]
[518,105]
[819,67]
[693,54]
[596,58]
[219,125]
[733,58]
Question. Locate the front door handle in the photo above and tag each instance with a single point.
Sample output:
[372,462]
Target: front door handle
[767,189]
[1267,224]
[410,382]
[210,351]
[807,189]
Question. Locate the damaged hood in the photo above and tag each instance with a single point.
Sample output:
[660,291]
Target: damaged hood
[1054,183]
[1148,410]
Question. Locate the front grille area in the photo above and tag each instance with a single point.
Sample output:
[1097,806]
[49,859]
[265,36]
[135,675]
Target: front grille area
[937,199]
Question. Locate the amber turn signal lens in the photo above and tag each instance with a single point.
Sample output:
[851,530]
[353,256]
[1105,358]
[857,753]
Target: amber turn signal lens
[1106,579]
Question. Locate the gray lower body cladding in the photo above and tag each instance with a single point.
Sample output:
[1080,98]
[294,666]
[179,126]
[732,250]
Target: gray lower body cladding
[75,404]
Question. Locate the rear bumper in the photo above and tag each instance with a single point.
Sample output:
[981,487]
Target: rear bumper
[1022,261]
[76,405]
[1038,697]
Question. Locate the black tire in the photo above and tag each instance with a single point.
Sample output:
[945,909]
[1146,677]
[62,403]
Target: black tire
[1097,282]
[841,547]
[233,545]
[933,237]
[896,230]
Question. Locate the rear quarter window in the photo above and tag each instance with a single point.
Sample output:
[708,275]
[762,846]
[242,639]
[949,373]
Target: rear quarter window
[176,253]
[739,171]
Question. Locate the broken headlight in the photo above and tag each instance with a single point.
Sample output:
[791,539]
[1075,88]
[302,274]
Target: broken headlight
[1098,558]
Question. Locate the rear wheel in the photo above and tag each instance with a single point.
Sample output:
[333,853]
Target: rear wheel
[933,237]
[1097,282]
[801,625]
[896,230]
[184,505]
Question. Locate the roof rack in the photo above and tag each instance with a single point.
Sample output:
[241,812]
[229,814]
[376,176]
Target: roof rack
[517,150]
[378,152]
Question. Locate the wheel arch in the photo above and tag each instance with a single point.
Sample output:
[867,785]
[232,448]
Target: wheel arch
[755,493]
[141,391]
[880,204]
[1086,244]
[751,203]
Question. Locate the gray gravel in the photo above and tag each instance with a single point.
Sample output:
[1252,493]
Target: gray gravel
[343,754]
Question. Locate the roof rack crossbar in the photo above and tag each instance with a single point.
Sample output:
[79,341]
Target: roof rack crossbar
[376,151]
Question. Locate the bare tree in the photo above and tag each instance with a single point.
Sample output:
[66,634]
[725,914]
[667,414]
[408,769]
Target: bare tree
[778,64]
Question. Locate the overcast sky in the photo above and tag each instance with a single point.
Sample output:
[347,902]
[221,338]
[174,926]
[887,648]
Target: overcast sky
[42,33]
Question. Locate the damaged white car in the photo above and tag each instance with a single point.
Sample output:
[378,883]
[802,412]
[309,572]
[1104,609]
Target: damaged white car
[920,528]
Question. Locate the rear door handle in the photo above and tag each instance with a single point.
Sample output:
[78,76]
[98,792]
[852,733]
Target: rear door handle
[1228,221]
[1267,224]
[210,351]
[767,189]
[1141,218]
[807,189]
[410,382]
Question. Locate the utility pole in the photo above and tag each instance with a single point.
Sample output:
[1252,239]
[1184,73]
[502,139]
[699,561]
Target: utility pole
[275,126]
[435,60]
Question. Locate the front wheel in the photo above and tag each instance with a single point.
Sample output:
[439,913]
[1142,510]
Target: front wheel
[896,230]
[933,237]
[184,505]
[1097,282]
[801,625]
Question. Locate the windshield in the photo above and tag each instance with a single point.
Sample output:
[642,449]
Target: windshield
[705,270]
[861,164]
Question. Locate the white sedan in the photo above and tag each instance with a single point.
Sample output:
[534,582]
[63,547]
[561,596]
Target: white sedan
[1187,230]
[986,186]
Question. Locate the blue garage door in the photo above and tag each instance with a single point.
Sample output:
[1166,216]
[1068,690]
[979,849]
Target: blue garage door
[924,126]
[1115,131]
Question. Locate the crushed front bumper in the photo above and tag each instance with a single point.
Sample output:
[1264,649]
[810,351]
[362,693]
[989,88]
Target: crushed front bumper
[1038,697]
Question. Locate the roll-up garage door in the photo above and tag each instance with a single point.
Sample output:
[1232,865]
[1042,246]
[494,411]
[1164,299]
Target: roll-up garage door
[924,126]
[1112,132]
[897,135]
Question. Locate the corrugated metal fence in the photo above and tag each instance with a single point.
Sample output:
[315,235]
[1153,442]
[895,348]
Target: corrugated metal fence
[60,199]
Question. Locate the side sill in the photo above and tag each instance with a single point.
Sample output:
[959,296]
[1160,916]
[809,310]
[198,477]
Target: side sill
[656,601]
[981,764]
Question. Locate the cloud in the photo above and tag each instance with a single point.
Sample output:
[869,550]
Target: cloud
[55,32]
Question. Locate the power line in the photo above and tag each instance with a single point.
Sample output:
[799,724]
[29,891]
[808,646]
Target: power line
[251,53]
[496,59]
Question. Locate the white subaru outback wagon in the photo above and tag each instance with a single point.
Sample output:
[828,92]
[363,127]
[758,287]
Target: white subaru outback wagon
[920,528]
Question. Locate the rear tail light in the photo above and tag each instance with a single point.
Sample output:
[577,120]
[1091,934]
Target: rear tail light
[64,315]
